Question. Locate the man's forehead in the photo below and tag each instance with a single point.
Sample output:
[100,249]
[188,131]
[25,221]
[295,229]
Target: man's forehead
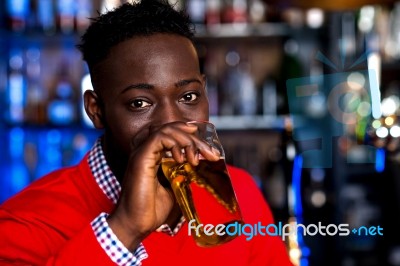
[140,58]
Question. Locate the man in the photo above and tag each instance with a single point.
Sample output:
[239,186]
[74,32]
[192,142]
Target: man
[111,208]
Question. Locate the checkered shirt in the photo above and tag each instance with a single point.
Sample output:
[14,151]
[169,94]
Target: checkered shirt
[110,186]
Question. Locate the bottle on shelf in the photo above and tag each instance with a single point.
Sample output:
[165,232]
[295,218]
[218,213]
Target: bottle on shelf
[196,10]
[229,84]
[61,106]
[213,12]
[35,110]
[83,13]
[46,16]
[269,97]
[235,12]
[257,11]
[18,172]
[239,95]
[49,149]
[66,15]
[247,97]
[16,87]
[17,14]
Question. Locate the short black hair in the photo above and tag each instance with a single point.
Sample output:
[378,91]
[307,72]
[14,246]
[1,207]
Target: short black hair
[144,18]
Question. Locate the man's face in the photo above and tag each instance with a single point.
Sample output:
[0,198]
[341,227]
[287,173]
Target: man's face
[146,82]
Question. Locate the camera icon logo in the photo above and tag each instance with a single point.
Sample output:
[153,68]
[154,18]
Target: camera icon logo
[325,108]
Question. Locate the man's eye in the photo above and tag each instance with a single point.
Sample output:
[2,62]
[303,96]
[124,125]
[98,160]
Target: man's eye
[140,104]
[190,97]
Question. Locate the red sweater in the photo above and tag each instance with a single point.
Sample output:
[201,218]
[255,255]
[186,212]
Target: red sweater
[48,223]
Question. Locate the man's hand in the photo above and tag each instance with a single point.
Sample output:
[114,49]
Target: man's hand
[144,203]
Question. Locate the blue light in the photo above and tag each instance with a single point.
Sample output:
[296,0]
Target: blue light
[380,160]
[16,144]
[298,208]
[18,8]
[305,251]
[303,262]
[296,185]
[53,149]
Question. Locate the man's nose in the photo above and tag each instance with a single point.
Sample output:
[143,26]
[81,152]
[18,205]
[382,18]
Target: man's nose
[167,114]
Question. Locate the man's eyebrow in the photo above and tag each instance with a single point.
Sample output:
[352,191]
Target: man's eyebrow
[185,82]
[180,83]
[138,86]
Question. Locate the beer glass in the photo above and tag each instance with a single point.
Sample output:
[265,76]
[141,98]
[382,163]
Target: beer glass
[204,192]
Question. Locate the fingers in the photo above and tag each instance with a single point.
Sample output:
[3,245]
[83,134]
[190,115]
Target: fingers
[192,155]
[180,139]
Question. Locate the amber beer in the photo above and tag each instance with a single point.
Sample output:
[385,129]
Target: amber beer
[204,192]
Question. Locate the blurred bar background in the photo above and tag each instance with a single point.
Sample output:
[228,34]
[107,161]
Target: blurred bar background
[255,53]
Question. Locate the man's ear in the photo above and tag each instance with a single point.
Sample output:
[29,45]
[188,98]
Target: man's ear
[93,108]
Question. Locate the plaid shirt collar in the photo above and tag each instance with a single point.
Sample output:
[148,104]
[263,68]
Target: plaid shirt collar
[102,173]
[109,184]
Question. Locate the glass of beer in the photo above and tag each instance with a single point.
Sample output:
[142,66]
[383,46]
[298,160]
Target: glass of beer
[204,192]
